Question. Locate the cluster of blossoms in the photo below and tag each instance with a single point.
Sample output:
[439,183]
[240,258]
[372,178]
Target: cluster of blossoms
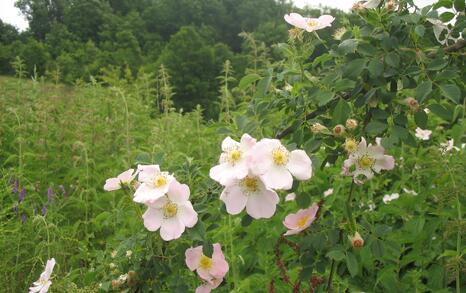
[364,160]
[251,171]
[211,270]
[167,200]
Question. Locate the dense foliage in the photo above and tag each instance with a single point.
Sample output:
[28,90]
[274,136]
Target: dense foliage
[388,217]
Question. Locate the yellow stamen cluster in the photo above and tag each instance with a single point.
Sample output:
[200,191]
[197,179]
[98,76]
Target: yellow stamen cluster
[302,221]
[351,145]
[170,210]
[205,262]
[280,156]
[250,184]
[160,180]
[233,156]
[365,162]
[312,23]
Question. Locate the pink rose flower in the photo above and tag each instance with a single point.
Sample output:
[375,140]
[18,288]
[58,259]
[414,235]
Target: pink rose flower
[211,269]
[250,192]
[124,178]
[301,220]
[43,284]
[207,287]
[171,213]
[234,160]
[275,164]
[366,160]
[307,23]
[154,183]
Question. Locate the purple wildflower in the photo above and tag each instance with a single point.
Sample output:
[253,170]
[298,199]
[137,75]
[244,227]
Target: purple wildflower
[15,187]
[22,195]
[43,210]
[50,194]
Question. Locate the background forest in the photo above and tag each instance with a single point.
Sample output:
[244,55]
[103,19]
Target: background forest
[69,40]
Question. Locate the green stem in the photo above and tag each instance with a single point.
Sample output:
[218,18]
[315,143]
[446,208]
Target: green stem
[348,208]
[458,234]
[353,228]
[232,254]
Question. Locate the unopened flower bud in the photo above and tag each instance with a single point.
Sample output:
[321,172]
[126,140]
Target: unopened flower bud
[357,6]
[317,128]
[412,103]
[350,145]
[131,281]
[391,5]
[116,284]
[351,124]
[356,240]
[339,130]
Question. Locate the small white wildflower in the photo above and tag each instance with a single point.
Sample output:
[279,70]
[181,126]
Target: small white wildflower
[408,191]
[129,253]
[389,197]
[328,192]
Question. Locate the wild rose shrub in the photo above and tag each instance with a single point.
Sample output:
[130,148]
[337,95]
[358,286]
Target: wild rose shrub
[355,182]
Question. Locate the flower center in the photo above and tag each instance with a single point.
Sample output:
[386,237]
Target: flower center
[205,262]
[170,210]
[160,181]
[280,156]
[42,282]
[234,156]
[350,145]
[250,184]
[366,162]
[312,23]
[302,222]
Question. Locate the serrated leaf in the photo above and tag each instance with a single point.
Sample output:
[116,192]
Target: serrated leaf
[423,90]
[341,112]
[375,68]
[375,127]
[451,91]
[392,59]
[323,97]
[441,111]
[247,80]
[336,255]
[352,264]
[420,117]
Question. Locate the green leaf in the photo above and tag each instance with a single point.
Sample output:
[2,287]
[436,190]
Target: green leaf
[336,255]
[423,90]
[375,127]
[263,86]
[352,264]
[375,68]
[451,91]
[437,64]
[341,112]
[392,59]
[420,117]
[247,80]
[447,16]
[420,30]
[377,248]
[354,67]
[348,46]
[323,97]
[443,3]
[459,5]
[441,111]
[207,248]
[344,84]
